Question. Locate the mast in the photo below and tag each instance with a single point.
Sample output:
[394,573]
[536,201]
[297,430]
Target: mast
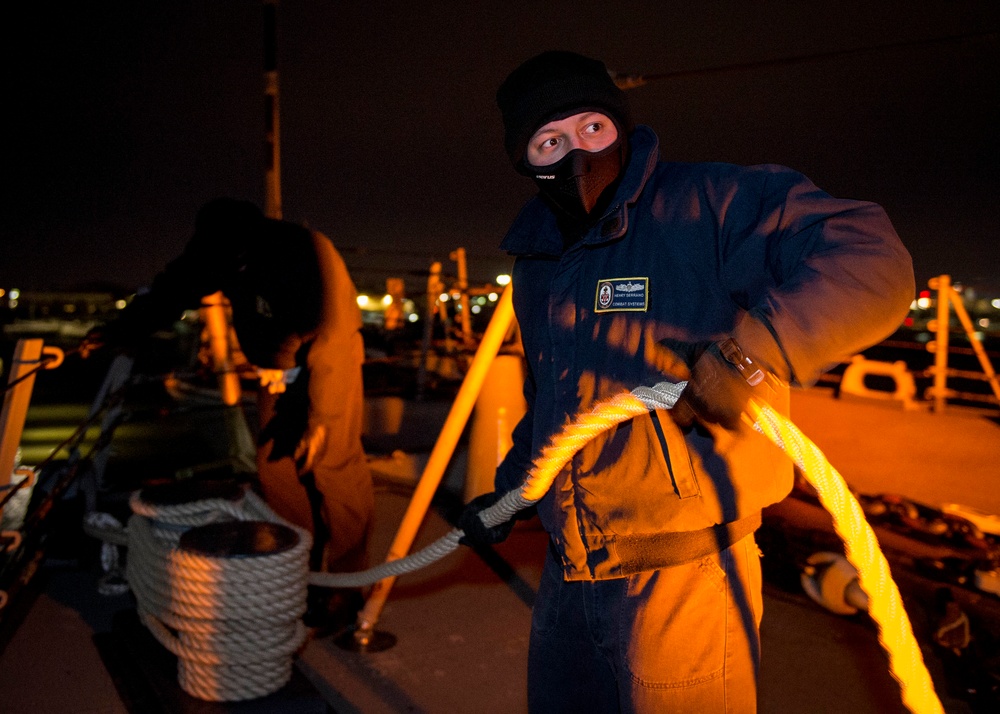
[272,176]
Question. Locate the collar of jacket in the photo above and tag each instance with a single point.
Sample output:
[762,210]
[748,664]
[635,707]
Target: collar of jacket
[535,231]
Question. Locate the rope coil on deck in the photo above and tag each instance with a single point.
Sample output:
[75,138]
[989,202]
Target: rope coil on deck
[233,622]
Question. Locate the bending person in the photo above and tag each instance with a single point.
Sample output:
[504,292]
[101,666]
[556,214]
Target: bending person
[294,309]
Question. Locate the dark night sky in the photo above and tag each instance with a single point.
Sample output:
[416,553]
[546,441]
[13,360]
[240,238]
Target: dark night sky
[125,117]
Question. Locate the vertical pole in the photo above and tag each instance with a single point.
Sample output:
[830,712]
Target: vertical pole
[942,284]
[213,314]
[27,357]
[433,291]
[441,454]
[977,347]
[242,451]
[458,255]
[272,177]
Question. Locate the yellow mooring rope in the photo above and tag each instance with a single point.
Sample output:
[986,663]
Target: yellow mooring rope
[906,663]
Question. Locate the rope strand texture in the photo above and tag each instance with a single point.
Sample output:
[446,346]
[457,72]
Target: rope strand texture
[885,606]
[233,623]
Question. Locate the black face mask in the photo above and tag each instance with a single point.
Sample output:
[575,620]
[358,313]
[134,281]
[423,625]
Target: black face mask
[576,181]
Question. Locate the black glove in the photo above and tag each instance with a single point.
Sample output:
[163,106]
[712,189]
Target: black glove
[722,377]
[476,532]
[290,420]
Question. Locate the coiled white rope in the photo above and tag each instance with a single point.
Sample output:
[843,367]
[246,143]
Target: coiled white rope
[234,623]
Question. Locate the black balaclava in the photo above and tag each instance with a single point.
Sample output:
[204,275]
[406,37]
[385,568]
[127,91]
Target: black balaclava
[555,85]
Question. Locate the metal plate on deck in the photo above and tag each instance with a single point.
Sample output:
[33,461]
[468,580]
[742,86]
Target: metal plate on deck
[239,539]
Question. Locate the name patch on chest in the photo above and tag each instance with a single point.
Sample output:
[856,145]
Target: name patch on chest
[622,295]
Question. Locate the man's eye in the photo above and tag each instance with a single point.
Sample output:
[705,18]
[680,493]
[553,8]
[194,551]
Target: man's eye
[548,143]
[593,127]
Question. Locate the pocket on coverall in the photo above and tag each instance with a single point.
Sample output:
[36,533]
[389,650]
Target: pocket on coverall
[673,455]
[672,626]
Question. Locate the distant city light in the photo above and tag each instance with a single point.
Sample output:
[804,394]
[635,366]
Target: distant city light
[387,300]
[492,297]
[995,303]
[503,279]
[412,317]
[476,309]
[2,292]
[120,304]
[15,293]
[362,300]
[924,303]
[444,297]
[984,322]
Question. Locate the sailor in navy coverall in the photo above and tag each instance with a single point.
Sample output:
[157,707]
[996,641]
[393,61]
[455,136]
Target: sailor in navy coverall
[631,271]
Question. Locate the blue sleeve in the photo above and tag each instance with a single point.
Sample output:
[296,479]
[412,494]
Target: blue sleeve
[838,277]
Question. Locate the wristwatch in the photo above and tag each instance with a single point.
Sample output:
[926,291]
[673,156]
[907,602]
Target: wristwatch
[733,354]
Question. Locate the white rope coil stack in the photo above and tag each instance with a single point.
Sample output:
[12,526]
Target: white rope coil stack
[234,621]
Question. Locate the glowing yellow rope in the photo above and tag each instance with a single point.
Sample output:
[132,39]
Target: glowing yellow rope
[906,663]
[573,437]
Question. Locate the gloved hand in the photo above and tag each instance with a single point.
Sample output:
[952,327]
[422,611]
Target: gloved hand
[476,532]
[311,447]
[288,428]
[720,385]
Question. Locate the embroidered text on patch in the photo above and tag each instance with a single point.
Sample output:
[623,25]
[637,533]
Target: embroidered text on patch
[622,295]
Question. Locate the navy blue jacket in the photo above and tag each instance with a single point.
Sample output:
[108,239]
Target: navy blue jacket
[688,252]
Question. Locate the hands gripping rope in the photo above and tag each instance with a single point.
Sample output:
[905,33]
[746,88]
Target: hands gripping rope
[547,466]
